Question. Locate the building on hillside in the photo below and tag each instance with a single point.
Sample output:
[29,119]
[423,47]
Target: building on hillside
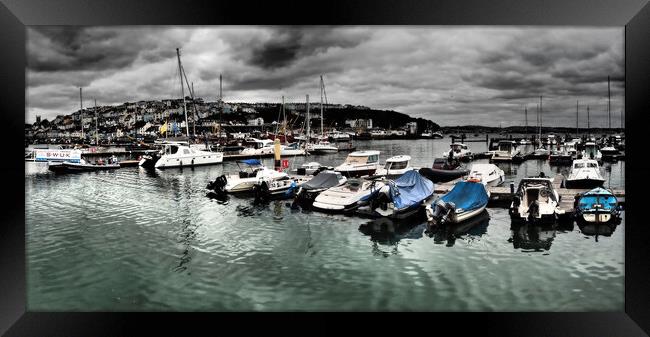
[256,121]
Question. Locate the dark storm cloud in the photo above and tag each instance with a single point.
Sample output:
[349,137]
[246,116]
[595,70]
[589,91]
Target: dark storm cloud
[482,75]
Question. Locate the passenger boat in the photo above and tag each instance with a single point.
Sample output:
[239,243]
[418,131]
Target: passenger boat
[322,181]
[458,151]
[507,152]
[598,205]
[359,163]
[585,173]
[81,166]
[489,174]
[395,167]
[399,198]
[468,198]
[347,197]
[536,201]
[444,170]
[246,179]
[177,154]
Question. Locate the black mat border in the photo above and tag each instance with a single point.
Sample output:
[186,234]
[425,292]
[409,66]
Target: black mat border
[15,14]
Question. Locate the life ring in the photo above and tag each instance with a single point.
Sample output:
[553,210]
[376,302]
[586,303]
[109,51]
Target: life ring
[474,180]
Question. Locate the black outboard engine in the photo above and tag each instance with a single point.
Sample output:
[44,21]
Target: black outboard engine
[218,184]
[261,192]
[441,212]
[533,211]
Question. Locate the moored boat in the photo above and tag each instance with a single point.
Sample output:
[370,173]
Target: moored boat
[536,201]
[399,198]
[443,170]
[245,180]
[347,197]
[489,174]
[324,180]
[395,167]
[585,173]
[466,199]
[81,166]
[598,205]
[458,151]
[359,163]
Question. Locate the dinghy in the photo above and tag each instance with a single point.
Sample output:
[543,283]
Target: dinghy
[443,170]
[401,198]
[81,166]
[466,199]
[597,206]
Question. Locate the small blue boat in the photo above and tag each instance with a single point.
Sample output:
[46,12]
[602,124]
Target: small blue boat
[597,206]
[466,199]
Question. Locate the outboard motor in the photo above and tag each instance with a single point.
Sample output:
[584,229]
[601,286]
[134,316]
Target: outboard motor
[218,184]
[261,191]
[440,212]
[533,211]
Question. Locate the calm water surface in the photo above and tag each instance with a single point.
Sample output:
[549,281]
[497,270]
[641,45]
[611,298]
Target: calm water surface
[135,240]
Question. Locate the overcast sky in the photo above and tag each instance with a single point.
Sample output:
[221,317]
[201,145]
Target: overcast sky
[451,75]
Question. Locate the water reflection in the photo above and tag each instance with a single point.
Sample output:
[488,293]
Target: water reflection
[474,228]
[389,232]
[597,229]
[532,238]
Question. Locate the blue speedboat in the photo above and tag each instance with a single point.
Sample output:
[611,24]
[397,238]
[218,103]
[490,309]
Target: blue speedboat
[399,198]
[466,199]
[597,206]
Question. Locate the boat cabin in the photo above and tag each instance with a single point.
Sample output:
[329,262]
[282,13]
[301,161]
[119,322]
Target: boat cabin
[362,158]
[397,162]
[540,189]
[579,164]
[591,150]
[507,146]
[457,147]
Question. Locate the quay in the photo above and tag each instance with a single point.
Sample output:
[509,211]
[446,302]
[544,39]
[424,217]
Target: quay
[501,196]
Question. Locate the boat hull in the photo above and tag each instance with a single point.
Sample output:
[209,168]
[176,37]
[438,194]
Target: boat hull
[584,183]
[441,176]
[73,167]
[357,173]
[190,161]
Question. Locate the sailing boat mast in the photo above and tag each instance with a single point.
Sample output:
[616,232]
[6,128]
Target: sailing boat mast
[540,117]
[577,132]
[526,117]
[284,126]
[180,73]
[609,103]
[81,114]
[194,105]
[322,88]
[307,120]
[96,128]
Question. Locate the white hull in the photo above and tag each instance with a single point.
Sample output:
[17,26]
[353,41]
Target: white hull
[460,217]
[188,160]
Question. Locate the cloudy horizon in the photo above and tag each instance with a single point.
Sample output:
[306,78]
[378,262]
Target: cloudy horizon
[450,75]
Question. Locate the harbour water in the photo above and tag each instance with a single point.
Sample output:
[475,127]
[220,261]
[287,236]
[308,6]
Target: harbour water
[137,240]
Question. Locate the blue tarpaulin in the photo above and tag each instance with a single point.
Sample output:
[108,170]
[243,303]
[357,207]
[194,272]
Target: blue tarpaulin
[599,196]
[409,189]
[467,195]
[251,162]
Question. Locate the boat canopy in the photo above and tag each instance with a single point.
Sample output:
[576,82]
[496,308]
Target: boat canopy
[410,188]
[325,179]
[597,196]
[467,195]
[251,162]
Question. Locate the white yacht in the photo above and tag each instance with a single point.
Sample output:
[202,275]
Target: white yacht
[246,180]
[395,167]
[488,174]
[359,163]
[459,151]
[179,154]
[507,151]
[585,173]
[292,150]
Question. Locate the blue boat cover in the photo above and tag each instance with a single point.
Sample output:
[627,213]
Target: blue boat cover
[467,195]
[597,196]
[251,162]
[409,189]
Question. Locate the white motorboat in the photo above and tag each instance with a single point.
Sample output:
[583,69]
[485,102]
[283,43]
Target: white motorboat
[271,187]
[337,136]
[466,200]
[347,197]
[292,150]
[488,174]
[359,163]
[525,142]
[400,198]
[179,154]
[535,201]
[322,147]
[260,147]
[245,180]
[458,151]
[540,153]
[323,181]
[507,151]
[395,167]
[585,173]
[591,151]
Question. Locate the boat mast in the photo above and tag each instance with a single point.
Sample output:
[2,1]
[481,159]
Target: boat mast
[220,106]
[321,106]
[526,117]
[194,115]
[284,126]
[588,127]
[180,73]
[81,114]
[540,117]
[96,128]
[609,102]
[307,120]
[577,119]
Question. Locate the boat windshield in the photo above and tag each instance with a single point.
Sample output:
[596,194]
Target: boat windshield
[396,165]
[578,165]
[592,165]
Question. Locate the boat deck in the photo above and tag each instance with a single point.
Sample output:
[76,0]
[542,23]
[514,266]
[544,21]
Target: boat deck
[501,196]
